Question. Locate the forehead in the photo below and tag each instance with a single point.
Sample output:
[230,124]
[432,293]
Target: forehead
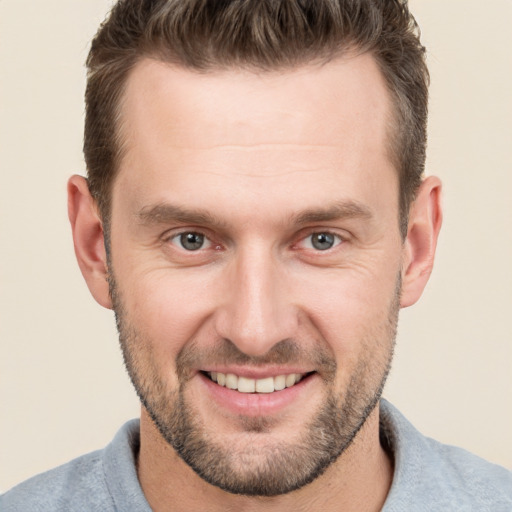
[263,132]
[240,103]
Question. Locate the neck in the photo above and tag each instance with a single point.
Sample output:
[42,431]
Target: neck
[358,480]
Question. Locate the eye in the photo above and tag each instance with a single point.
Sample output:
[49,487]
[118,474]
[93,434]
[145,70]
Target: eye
[191,241]
[322,241]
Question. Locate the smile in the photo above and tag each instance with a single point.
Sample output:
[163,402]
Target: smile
[247,385]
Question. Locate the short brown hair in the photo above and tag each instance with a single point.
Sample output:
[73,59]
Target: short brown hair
[261,34]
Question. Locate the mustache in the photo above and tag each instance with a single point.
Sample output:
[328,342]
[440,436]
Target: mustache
[225,352]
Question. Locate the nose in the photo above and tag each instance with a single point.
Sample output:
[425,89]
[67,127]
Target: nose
[256,312]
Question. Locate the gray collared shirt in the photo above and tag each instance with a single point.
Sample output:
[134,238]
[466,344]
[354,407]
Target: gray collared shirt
[428,476]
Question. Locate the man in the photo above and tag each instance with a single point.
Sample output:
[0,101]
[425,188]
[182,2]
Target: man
[255,213]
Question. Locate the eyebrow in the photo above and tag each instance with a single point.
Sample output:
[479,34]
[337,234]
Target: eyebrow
[337,211]
[165,213]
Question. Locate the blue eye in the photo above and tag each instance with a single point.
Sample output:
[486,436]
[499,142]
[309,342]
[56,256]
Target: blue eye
[191,241]
[322,241]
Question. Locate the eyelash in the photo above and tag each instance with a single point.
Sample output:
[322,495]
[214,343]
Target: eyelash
[336,240]
[177,240]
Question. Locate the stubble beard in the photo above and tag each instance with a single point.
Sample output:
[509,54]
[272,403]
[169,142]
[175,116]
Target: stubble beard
[254,468]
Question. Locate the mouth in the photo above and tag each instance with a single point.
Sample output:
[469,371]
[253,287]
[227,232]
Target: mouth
[265,385]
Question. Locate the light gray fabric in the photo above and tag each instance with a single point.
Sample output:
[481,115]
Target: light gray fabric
[428,476]
[101,481]
[432,477]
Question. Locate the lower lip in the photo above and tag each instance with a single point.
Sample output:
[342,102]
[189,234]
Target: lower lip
[256,404]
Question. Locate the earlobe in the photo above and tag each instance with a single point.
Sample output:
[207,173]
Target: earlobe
[425,219]
[88,239]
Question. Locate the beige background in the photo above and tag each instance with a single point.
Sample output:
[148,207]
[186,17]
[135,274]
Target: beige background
[63,390]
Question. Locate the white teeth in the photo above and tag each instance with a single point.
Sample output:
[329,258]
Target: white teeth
[279,382]
[246,385]
[264,385]
[231,381]
[290,380]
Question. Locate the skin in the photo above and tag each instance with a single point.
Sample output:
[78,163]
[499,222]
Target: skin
[269,158]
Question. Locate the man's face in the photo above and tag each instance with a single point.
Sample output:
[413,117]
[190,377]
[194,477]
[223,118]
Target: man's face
[255,243]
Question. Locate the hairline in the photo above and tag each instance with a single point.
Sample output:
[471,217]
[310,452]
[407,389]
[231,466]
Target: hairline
[393,116]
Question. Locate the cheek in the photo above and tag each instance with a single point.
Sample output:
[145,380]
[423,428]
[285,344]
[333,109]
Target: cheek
[351,307]
[359,329]
[168,308]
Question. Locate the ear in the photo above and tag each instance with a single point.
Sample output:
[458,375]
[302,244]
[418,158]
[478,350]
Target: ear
[425,219]
[88,239]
